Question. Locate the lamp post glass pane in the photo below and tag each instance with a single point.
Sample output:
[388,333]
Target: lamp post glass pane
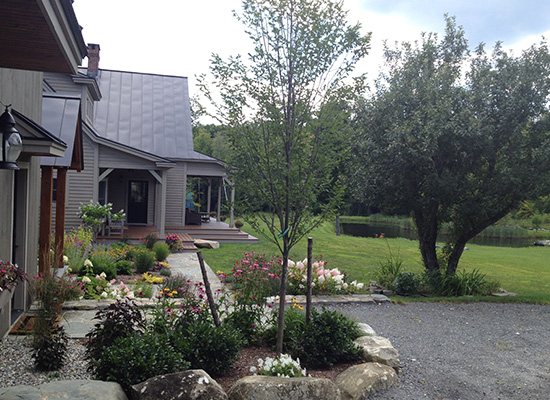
[14,145]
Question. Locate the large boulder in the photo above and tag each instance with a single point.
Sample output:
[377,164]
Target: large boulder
[206,244]
[365,329]
[77,389]
[273,388]
[194,384]
[378,349]
[361,381]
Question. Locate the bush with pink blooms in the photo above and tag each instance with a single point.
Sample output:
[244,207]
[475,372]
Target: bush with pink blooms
[324,280]
[254,278]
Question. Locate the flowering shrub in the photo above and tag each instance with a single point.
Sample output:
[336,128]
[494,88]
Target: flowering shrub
[98,287]
[52,291]
[184,316]
[147,277]
[283,366]
[174,243]
[94,215]
[76,245]
[10,274]
[324,280]
[252,279]
[179,285]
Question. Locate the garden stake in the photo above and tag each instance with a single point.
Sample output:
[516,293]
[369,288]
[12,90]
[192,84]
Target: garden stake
[309,279]
[208,291]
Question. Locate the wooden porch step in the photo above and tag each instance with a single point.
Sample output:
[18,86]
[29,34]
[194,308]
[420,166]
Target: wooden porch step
[227,238]
[187,242]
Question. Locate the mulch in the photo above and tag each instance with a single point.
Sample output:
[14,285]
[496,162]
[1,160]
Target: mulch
[249,357]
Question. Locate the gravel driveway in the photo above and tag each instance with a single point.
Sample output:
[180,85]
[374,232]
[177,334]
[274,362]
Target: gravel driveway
[464,351]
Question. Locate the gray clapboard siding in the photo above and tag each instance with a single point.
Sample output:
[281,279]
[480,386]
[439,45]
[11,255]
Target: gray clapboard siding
[21,89]
[111,158]
[174,195]
[79,185]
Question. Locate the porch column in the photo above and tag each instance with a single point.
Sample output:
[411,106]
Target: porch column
[220,184]
[208,201]
[6,221]
[45,219]
[60,217]
[162,227]
[184,192]
[232,217]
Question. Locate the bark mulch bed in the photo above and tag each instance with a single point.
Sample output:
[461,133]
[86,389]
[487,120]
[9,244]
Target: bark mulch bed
[249,357]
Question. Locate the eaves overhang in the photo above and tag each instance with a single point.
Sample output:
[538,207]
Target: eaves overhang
[40,35]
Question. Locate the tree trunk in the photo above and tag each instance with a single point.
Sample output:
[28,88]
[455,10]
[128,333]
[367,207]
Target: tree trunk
[338,225]
[456,253]
[282,296]
[427,227]
[309,278]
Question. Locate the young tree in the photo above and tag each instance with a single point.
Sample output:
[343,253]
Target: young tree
[282,110]
[455,137]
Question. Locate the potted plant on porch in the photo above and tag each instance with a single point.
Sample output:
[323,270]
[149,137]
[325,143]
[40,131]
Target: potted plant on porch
[10,276]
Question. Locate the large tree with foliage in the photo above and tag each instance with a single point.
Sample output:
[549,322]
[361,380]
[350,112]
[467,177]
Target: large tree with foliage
[281,107]
[453,136]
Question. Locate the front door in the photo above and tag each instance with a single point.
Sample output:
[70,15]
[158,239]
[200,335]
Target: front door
[137,202]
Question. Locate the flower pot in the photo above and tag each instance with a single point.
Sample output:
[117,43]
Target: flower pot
[5,297]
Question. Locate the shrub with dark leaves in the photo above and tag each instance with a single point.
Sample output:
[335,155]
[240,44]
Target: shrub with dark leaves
[134,359]
[121,319]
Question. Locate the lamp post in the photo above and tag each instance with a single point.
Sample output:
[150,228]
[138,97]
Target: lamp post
[12,144]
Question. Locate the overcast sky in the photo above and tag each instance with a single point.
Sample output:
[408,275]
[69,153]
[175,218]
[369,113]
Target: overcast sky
[177,37]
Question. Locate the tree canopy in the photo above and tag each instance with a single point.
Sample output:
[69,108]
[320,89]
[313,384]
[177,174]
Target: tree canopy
[454,136]
[282,108]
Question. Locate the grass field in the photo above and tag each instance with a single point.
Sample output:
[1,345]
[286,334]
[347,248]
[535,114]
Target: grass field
[525,271]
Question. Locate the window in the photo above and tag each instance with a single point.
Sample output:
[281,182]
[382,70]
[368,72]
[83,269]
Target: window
[102,195]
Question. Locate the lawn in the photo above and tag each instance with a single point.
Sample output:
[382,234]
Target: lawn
[525,271]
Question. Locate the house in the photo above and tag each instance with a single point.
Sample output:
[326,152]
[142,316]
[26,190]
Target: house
[36,36]
[137,145]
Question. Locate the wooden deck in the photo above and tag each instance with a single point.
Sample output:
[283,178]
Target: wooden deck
[212,230]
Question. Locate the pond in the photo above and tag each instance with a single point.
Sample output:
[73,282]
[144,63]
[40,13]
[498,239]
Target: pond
[375,229]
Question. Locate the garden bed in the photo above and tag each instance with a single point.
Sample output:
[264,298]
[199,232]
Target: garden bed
[249,356]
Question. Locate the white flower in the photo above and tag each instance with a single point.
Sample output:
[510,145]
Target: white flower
[88,263]
[85,279]
[104,295]
[253,370]
[291,264]
[65,260]
[360,286]
[345,286]
[103,275]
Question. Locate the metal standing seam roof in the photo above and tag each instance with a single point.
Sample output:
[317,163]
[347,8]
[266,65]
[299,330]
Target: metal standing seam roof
[60,117]
[147,112]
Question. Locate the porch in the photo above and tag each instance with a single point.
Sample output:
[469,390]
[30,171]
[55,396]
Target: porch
[212,230]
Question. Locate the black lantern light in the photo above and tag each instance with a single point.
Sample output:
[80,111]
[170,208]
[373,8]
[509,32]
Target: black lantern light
[12,144]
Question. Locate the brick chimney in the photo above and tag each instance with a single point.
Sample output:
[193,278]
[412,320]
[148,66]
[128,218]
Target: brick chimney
[93,60]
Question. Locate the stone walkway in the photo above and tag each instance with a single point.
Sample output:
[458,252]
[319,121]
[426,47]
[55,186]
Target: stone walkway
[78,315]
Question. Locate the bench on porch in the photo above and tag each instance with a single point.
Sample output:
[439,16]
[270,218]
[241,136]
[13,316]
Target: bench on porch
[116,227]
